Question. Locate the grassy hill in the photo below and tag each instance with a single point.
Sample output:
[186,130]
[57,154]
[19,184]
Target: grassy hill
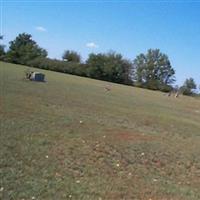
[68,138]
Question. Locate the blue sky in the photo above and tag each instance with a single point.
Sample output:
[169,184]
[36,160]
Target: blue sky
[127,27]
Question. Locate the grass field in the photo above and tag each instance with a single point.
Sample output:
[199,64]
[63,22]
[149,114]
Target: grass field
[131,143]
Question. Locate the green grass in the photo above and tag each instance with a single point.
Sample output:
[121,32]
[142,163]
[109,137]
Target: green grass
[132,144]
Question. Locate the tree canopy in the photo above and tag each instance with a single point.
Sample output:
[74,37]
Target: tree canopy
[188,86]
[71,56]
[24,49]
[153,70]
[109,66]
[2,49]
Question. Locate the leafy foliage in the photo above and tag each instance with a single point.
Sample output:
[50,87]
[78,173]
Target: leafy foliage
[71,56]
[2,52]
[110,67]
[2,49]
[23,49]
[58,66]
[153,70]
[188,86]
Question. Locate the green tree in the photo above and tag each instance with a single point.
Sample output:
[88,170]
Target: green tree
[23,49]
[110,67]
[71,56]
[188,86]
[2,49]
[2,52]
[153,70]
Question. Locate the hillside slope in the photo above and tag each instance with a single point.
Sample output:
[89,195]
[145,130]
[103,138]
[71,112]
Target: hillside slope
[68,138]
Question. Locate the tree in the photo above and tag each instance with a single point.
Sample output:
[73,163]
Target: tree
[188,86]
[71,56]
[23,49]
[153,70]
[2,52]
[2,49]
[110,67]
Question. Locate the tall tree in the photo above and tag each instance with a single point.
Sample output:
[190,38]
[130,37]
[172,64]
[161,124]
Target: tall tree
[153,70]
[23,49]
[71,56]
[110,66]
[188,86]
[2,52]
[2,49]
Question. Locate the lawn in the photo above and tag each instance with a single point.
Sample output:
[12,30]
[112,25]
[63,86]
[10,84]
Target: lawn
[69,138]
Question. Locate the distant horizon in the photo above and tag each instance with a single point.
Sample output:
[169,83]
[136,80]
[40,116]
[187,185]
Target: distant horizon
[128,28]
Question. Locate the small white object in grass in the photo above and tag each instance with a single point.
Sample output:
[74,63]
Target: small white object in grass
[81,122]
[155,180]
[47,156]
[70,196]
[129,173]
[33,198]
[142,154]
[117,164]
[104,136]
[1,189]
[77,181]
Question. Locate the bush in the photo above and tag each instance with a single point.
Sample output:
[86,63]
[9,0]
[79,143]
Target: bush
[59,66]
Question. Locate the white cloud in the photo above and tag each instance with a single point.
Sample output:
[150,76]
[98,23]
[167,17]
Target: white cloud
[40,28]
[92,45]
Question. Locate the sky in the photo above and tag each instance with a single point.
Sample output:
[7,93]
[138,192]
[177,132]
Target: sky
[127,27]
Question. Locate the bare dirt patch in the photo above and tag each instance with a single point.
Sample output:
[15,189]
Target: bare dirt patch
[130,136]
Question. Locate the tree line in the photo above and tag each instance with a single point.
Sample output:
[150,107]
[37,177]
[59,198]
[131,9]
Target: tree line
[151,70]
